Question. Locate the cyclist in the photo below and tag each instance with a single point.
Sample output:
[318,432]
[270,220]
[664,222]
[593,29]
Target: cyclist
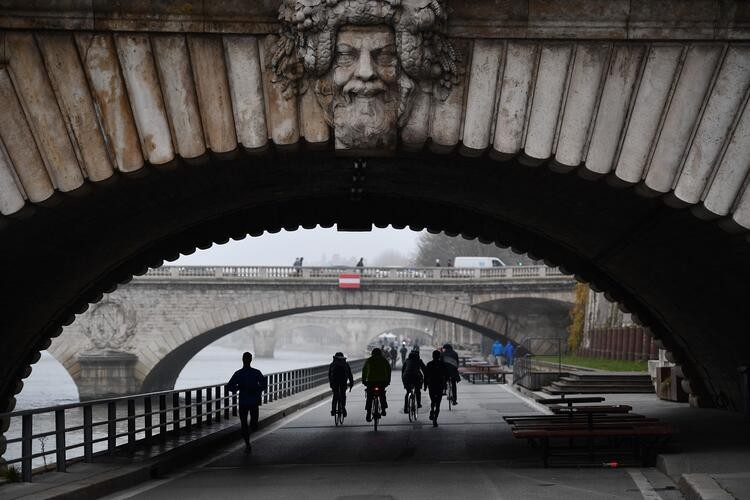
[412,375]
[339,373]
[434,383]
[450,360]
[376,372]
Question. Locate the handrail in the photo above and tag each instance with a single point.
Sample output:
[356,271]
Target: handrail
[382,273]
[173,411]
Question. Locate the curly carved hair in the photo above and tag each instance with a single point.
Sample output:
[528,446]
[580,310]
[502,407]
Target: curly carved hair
[308,36]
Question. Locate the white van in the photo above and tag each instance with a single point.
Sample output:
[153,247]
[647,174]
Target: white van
[478,262]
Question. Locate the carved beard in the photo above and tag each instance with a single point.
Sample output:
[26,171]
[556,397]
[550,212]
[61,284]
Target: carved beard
[365,123]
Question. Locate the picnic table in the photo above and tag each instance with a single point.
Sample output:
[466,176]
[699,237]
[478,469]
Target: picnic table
[485,371]
[603,428]
[570,401]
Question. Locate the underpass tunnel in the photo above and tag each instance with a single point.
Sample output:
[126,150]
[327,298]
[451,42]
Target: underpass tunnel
[634,248]
[534,325]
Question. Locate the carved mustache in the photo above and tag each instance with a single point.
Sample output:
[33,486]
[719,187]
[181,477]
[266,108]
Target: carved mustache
[358,88]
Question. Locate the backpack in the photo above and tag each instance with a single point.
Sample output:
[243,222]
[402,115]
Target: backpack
[339,373]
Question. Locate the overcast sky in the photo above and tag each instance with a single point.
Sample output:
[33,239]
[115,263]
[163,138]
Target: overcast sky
[282,248]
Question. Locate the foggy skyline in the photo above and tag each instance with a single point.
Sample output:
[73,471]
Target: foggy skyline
[282,248]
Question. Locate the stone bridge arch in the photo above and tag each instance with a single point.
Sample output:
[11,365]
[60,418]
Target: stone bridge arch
[98,174]
[180,344]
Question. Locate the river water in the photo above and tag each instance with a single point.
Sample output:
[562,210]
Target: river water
[49,385]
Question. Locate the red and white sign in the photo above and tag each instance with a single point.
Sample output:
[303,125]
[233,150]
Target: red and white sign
[348,280]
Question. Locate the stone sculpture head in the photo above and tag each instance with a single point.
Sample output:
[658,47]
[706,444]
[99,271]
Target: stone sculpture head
[365,59]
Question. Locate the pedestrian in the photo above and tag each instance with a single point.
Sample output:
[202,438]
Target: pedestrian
[449,263]
[339,374]
[437,262]
[404,351]
[361,262]
[498,349]
[509,354]
[251,384]
[434,382]
[376,372]
[394,356]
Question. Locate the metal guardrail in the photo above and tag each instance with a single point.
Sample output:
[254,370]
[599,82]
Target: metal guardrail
[134,419]
[529,371]
[370,273]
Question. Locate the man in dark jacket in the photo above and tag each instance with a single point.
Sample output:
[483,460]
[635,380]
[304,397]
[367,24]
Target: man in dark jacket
[450,361]
[412,375]
[376,372]
[404,351]
[339,373]
[251,383]
[434,383]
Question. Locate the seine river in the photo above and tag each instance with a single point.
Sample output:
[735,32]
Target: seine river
[49,384]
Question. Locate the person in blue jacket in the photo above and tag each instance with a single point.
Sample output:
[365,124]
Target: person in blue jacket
[509,354]
[498,350]
[251,384]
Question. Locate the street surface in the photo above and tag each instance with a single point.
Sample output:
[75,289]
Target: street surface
[472,454]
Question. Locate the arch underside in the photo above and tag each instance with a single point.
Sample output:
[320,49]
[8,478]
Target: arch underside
[685,278]
[164,374]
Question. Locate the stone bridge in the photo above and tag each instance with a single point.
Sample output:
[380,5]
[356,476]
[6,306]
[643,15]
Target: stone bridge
[140,337]
[132,132]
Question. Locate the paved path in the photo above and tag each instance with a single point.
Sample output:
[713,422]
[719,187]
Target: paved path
[472,454]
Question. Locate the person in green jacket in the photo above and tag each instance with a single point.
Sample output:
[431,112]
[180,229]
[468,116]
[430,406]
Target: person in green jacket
[376,373]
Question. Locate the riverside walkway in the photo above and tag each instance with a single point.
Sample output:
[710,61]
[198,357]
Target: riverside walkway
[471,454]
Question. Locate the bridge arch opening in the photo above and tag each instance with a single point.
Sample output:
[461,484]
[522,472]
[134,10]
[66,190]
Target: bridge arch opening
[641,252]
[186,341]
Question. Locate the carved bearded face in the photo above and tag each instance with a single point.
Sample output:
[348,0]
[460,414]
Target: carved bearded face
[365,80]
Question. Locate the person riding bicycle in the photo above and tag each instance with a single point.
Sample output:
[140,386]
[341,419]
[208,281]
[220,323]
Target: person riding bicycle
[412,375]
[434,383]
[339,373]
[450,360]
[376,372]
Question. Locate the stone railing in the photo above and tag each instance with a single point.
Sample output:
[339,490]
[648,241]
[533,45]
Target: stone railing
[367,273]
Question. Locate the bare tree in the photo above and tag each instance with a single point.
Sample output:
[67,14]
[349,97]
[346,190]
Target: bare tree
[440,246]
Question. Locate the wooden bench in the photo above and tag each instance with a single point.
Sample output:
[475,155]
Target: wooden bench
[645,437]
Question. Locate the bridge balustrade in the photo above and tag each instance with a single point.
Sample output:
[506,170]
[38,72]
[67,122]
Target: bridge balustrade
[83,431]
[370,273]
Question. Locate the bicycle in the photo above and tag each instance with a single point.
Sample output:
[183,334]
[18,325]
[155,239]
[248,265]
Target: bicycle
[413,409]
[338,417]
[375,406]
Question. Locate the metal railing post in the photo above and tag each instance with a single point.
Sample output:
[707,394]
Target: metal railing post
[111,427]
[60,440]
[189,409]
[88,433]
[147,419]
[234,404]
[227,402]
[217,397]
[162,415]
[131,422]
[27,430]
[176,411]
[209,405]
[199,407]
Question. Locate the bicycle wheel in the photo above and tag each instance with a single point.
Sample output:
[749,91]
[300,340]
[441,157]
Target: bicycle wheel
[375,413]
[412,407]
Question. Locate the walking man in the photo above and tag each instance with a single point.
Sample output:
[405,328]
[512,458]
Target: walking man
[498,349]
[509,353]
[251,384]
[434,382]
[403,352]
